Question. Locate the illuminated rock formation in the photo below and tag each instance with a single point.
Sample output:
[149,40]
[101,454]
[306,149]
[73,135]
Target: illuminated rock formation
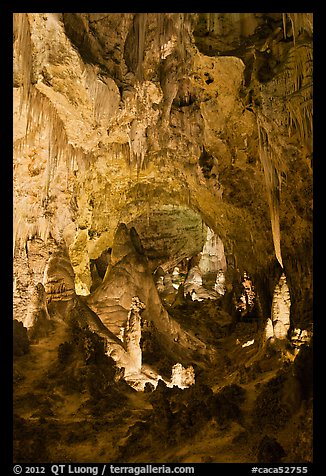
[182,377]
[281,309]
[38,319]
[194,281]
[132,334]
[212,256]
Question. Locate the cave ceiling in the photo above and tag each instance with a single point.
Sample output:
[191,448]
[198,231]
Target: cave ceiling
[161,121]
[162,225]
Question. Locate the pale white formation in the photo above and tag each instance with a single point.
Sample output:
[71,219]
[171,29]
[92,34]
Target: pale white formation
[269,330]
[160,284]
[248,343]
[219,285]
[176,271]
[182,377]
[281,309]
[212,257]
[122,334]
[212,267]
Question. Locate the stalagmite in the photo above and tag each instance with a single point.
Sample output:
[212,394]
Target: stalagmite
[269,331]
[194,280]
[144,144]
[132,334]
[212,257]
[38,318]
[219,285]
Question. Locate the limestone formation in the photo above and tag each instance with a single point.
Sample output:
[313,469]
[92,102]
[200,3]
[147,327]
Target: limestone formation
[182,377]
[59,278]
[130,276]
[38,320]
[194,280]
[247,298]
[219,285]
[132,333]
[28,269]
[277,327]
[281,309]
[269,330]
[212,256]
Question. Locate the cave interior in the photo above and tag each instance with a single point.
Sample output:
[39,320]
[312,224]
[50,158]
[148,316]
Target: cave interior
[163,212]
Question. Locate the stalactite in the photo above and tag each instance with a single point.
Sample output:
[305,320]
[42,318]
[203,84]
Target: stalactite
[102,100]
[182,32]
[43,117]
[272,181]
[140,22]
[166,29]
[132,334]
[281,309]
[120,152]
[213,23]
[295,81]
[295,78]
[137,145]
[173,29]
[24,52]
[300,22]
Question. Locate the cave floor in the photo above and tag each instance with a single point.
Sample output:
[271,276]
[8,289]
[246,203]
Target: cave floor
[52,424]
